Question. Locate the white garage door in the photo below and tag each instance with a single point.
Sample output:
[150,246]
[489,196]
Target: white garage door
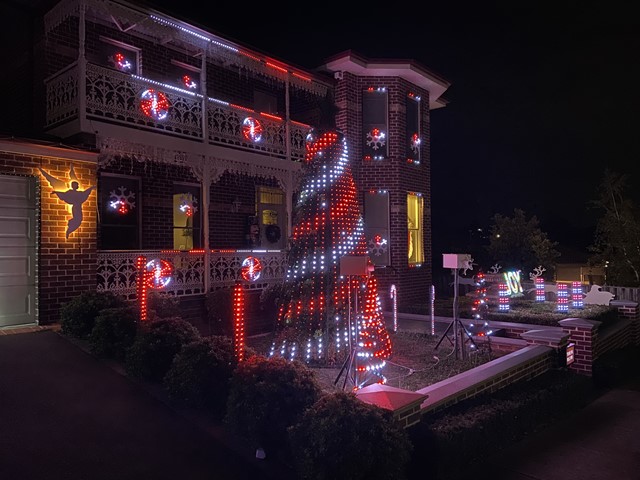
[17,250]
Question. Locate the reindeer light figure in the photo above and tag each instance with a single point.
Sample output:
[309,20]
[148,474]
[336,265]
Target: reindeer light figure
[536,276]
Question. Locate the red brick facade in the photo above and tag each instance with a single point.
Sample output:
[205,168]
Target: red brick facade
[66,267]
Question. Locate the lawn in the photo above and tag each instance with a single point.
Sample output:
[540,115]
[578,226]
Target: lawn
[414,364]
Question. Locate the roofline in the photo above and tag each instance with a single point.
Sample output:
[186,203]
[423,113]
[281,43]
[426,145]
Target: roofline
[26,146]
[409,69]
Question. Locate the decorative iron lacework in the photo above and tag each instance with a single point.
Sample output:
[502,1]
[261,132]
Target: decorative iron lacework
[133,19]
[116,96]
[117,270]
[114,148]
[62,95]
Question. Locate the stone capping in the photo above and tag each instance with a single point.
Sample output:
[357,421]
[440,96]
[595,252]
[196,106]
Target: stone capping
[623,303]
[513,342]
[580,323]
[469,381]
[553,337]
[526,326]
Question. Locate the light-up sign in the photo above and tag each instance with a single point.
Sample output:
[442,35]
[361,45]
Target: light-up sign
[512,280]
[571,347]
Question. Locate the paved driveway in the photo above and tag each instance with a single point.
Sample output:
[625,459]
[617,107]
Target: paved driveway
[66,415]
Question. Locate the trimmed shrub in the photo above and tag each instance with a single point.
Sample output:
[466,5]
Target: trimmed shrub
[268,395]
[78,316]
[200,374]
[156,345]
[160,305]
[342,437]
[272,297]
[114,332]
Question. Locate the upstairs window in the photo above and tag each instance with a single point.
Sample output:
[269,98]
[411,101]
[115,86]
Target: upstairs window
[415,240]
[413,140]
[118,56]
[375,128]
[187,214]
[185,76]
[119,211]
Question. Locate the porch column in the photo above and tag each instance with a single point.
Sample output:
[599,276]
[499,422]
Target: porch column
[205,98]
[82,69]
[206,185]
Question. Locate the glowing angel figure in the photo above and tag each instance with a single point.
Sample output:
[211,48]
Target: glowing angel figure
[72,196]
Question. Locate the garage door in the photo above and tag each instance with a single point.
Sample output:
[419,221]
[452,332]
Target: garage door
[17,250]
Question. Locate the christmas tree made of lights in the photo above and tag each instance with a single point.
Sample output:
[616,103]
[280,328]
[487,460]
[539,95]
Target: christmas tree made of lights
[314,319]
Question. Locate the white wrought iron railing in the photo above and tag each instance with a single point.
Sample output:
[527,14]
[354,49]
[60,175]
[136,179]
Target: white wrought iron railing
[117,271]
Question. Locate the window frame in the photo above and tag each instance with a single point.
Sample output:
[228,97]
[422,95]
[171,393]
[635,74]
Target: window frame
[199,212]
[103,197]
[419,229]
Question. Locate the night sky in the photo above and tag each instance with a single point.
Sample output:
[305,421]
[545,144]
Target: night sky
[543,97]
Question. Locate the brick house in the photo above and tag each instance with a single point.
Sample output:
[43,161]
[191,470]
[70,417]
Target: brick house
[194,144]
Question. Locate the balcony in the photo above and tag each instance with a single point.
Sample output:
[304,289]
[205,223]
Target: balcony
[117,271]
[114,97]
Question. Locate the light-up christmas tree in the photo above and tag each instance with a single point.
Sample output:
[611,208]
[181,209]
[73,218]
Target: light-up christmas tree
[314,320]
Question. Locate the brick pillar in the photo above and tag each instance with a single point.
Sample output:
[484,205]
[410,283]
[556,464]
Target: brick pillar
[630,310]
[554,338]
[584,333]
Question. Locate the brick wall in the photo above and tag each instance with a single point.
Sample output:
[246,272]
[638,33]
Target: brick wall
[66,267]
[393,174]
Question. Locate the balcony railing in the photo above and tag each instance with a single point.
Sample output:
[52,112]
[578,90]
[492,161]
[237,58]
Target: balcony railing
[117,270]
[115,96]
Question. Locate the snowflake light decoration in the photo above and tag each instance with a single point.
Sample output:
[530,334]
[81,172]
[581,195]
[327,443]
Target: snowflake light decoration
[377,245]
[122,201]
[415,143]
[252,129]
[376,139]
[119,61]
[188,205]
[154,104]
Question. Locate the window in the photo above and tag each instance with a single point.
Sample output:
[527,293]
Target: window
[117,55]
[415,247]
[265,102]
[374,124]
[271,212]
[184,76]
[119,211]
[186,217]
[413,140]
[376,226]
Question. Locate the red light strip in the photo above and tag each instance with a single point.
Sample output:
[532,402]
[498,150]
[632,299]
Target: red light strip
[277,67]
[302,77]
[268,115]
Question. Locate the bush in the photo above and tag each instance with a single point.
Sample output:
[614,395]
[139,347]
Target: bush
[219,305]
[156,345]
[200,374]
[78,316]
[163,306]
[342,437]
[272,297]
[268,395]
[463,435]
[114,332]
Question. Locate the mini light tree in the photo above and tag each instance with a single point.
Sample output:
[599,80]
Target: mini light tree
[538,281]
[312,324]
[562,298]
[577,299]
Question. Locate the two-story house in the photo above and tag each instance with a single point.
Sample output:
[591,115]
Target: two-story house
[149,136]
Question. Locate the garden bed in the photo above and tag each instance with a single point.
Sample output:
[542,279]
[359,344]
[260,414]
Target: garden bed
[414,364]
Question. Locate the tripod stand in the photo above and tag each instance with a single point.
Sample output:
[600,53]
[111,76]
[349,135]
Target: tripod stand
[459,330]
[349,367]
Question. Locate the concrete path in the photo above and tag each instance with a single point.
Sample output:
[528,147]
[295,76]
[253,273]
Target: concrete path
[66,415]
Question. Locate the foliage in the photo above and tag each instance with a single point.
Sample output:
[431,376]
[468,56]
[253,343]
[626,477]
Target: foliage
[343,437]
[114,332]
[272,297]
[219,305]
[78,316]
[156,345]
[617,240]
[160,305]
[461,436]
[267,396]
[200,374]
[519,243]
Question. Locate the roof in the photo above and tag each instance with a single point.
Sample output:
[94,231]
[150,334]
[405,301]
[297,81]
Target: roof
[408,69]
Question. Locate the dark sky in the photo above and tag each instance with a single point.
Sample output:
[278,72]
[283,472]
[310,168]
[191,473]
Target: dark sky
[543,97]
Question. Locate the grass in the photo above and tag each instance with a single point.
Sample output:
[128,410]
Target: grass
[414,364]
